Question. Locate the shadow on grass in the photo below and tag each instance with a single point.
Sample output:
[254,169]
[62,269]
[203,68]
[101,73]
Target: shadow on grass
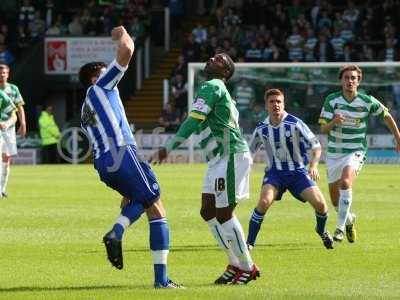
[205,248]
[67,288]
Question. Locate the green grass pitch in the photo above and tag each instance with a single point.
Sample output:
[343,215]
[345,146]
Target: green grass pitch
[54,219]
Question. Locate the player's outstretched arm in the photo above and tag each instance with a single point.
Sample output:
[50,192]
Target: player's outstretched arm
[125,44]
[391,124]
[185,130]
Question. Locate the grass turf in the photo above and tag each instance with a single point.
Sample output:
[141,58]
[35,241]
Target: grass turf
[54,219]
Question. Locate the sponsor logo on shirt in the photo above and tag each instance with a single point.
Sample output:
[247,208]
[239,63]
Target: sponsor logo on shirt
[200,105]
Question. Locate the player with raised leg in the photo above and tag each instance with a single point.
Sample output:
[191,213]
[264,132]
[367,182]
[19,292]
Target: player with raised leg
[115,158]
[286,140]
[229,161]
[344,117]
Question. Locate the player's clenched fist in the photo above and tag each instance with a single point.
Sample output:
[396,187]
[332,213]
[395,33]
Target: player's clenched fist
[117,33]
[338,119]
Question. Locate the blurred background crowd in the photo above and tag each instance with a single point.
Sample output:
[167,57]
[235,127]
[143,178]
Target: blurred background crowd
[248,30]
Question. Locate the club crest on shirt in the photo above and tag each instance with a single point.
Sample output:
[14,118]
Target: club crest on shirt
[88,116]
[200,105]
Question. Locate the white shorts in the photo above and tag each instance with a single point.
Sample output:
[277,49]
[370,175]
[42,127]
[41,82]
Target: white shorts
[9,141]
[229,179]
[337,162]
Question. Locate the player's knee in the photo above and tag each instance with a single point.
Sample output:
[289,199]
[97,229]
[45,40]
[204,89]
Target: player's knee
[264,203]
[206,213]
[345,183]
[321,207]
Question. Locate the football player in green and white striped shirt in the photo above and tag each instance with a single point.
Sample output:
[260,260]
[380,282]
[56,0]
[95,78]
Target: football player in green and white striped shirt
[344,117]
[9,137]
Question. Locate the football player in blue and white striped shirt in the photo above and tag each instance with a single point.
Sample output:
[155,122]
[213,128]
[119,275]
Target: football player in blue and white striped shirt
[287,140]
[115,158]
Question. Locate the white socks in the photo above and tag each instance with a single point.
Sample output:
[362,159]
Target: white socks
[123,221]
[218,234]
[345,200]
[234,233]
[5,172]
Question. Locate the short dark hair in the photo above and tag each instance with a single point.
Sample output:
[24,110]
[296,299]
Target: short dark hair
[4,66]
[231,66]
[87,71]
[273,92]
[351,68]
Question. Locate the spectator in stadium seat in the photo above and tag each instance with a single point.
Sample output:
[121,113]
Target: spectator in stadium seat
[228,48]
[271,52]
[244,93]
[5,36]
[309,45]
[169,119]
[58,28]
[180,68]
[200,34]
[231,18]
[346,32]
[337,43]
[49,12]
[75,27]
[218,18]
[338,21]
[23,40]
[294,44]
[390,52]
[256,115]
[324,21]
[323,50]
[6,55]
[177,12]
[179,93]
[26,13]
[191,50]
[212,47]
[253,53]
[351,13]
[37,27]
[348,53]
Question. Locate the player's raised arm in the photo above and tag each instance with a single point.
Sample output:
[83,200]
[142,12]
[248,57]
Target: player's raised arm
[125,44]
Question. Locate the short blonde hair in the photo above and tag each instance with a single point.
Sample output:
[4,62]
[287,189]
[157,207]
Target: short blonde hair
[273,92]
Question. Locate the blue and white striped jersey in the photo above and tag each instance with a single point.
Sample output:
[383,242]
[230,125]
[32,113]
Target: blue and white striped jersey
[103,115]
[286,144]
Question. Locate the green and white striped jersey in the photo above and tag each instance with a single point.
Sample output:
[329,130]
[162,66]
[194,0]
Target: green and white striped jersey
[350,136]
[7,106]
[13,92]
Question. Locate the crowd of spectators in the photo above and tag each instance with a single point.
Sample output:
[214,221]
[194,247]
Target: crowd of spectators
[37,19]
[296,31]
